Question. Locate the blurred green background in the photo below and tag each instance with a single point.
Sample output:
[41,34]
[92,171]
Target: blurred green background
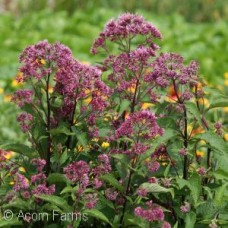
[198,29]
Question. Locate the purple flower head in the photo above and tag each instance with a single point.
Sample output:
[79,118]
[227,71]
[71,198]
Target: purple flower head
[25,121]
[151,214]
[153,166]
[139,148]
[143,123]
[125,26]
[43,189]
[169,67]
[185,208]
[41,59]
[21,183]
[142,192]
[104,166]
[201,171]
[166,225]
[111,194]
[183,151]
[39,163]
[91,200]
[76,170]
[22,97]
[38,178]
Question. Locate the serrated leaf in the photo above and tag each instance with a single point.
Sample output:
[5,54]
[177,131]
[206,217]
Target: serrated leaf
[220,102]
[103,132]
[18,203]
[156,188]
[169,134]
[97,214]
[14,222]
[68,189]
[195,186]
[219,194]
[214,140]
[124,106]
[112,181]
[61,130]
[192,108]
[190,219]
[20,148]
[56,200]
[54,178]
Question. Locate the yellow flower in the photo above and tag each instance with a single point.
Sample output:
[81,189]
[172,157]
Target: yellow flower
[226,75]
[226,82]
[131,89]
[199,153]
[225,109]
[9,155]
[15,83]
[22,169]
[40,61]
[88,100]
[147,105]
[226,136]
[11,182]
[7,98]
[95,140]
[1,90]
[50,89]
[204,101]
[85,62]
[105,144]
[147,159]
[164,163]
[80,149]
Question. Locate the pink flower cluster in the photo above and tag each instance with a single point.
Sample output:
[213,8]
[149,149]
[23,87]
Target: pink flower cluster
[36,185]
[25,119]
[126,26]
[140,124]
[102,168]
[152,213]
[22,97]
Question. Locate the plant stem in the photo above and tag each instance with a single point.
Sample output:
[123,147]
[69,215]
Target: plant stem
[185,168]
[48,157]
[125,202]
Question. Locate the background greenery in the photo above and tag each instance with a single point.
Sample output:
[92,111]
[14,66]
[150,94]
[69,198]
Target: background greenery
[197,29]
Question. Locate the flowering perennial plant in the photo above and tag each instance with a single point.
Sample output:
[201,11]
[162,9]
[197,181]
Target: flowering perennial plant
[128,141]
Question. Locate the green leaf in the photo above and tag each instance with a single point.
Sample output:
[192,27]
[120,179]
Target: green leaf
[192,108]
[167,169]
[220,174]
[219,194]
[61,130]
[56,200]
[68,189]
[169,134]
[113,181]
[103,132]
[190,220]
[220,102]
[14,222]
[97,214]
[18,203]
[195,186]
[215,141]
[124,106]
[20,148]
[156,188]
[54,178]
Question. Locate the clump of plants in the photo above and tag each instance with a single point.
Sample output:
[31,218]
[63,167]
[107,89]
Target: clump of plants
[126,143]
